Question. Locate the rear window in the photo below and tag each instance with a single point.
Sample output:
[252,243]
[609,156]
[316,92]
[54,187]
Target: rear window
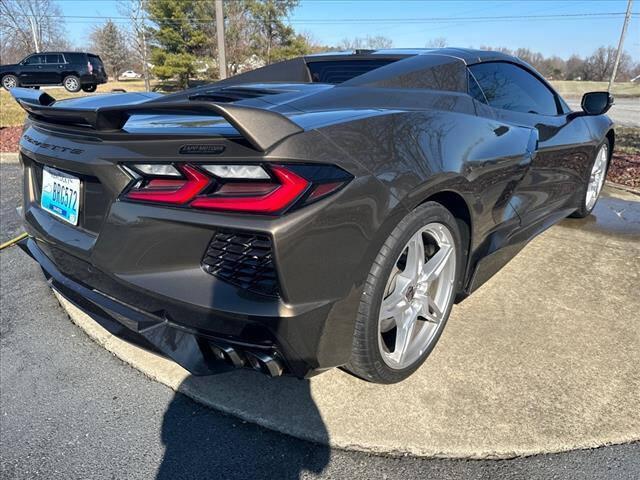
[95,61]
[338,71]
[75,57]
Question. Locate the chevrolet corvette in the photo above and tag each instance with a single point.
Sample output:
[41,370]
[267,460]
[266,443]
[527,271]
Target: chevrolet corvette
[326,211]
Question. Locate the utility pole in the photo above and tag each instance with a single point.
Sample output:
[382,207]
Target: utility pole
[34,32]
[222,57]
[145,63]
[627,17]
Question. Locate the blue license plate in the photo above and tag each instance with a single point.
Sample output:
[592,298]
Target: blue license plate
[60,194]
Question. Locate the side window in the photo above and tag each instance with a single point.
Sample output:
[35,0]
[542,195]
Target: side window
[512,88]
[474,89]
[74,58]
[34,60]
[53,58]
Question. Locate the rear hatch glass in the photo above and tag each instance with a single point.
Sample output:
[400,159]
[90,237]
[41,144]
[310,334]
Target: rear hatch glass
[338,71]
[96,63]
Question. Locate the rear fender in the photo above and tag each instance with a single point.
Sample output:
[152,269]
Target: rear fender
[417,154]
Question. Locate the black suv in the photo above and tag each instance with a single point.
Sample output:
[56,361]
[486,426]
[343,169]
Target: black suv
[73,70]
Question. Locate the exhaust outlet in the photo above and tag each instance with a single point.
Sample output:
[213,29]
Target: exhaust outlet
[228,354]
[266,363]
[254,362]
[257,360]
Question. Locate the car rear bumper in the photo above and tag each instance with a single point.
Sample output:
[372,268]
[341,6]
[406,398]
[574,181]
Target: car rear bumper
[93,79]
[258,342]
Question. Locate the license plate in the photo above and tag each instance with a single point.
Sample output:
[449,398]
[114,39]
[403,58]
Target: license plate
[60,194]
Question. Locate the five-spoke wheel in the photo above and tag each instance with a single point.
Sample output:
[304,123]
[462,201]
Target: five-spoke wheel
[595,181]
[417,294]
[408,295]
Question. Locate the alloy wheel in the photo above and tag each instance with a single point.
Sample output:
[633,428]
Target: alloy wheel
[71,84]
[417,296]
[596,180]
[9,82]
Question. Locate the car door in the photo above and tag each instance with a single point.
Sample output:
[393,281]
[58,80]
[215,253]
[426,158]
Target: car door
[517,95]
[52,72]
[30,70]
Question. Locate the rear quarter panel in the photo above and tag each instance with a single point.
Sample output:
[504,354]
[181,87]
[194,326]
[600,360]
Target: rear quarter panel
[415,155]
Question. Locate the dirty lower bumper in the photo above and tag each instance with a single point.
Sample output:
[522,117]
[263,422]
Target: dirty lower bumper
[201,353]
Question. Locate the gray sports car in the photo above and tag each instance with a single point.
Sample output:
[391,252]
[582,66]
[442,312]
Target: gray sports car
[323,211]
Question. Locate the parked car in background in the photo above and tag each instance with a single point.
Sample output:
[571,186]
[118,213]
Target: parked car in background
[75,71]
[130,74]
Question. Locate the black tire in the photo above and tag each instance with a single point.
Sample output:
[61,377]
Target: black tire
[8,80]
[89,88]
[71,83]
[584,211]
[366,359]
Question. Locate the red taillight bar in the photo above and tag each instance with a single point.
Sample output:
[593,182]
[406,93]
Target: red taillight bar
[195,182]
[290,188]
[285,186]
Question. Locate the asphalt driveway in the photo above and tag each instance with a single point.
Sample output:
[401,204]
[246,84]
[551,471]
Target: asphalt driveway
[625,112]
[69,409]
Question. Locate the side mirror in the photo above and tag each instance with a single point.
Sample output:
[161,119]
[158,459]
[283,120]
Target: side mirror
[596,103]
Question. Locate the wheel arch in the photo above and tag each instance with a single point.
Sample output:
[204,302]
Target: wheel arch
[4,74]
[611,136]
[457,205]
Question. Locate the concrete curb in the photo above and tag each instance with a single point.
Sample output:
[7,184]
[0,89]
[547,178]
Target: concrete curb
[635,191]
[9,157]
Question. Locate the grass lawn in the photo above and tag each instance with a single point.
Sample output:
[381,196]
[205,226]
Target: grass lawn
[628,140]
[568,88]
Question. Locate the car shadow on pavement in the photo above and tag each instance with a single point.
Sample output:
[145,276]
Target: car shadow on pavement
[202,443]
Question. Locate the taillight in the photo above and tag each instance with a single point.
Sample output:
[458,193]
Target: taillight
[170,189]
[259,189]
[90,67]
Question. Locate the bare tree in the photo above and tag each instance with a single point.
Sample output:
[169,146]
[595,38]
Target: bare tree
[600,64]
[138,34]
[351,44]
[439,42]
[238,33]
[375,43]
[28,26]
[574,68]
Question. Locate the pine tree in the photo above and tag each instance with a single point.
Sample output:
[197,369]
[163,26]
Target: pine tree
[183,34]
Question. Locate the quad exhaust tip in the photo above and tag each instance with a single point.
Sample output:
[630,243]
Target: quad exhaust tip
[257,360]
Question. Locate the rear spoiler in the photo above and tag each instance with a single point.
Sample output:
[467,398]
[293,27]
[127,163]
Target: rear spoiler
[261,128]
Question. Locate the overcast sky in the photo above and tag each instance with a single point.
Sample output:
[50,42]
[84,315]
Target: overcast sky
[412,23]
